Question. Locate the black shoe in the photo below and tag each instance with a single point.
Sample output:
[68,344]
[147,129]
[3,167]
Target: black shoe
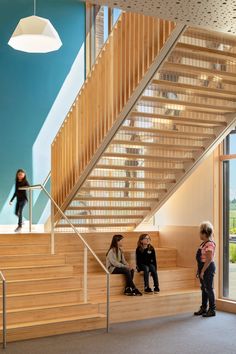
[156,290]
[148,290]
[200,312]
[209,313]
[137,292]
[129,292]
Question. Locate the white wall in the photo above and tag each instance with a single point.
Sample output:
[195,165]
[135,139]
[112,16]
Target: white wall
[192,203]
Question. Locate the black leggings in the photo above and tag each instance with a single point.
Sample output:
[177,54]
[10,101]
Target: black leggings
[207,287]
[129,274]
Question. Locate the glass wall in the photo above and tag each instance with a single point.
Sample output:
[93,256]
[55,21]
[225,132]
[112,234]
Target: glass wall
[100,21]
[229,217]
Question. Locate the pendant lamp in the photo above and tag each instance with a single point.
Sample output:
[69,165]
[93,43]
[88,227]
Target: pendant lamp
[35,34]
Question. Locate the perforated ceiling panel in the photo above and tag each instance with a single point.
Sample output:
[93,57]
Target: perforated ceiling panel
[212,14]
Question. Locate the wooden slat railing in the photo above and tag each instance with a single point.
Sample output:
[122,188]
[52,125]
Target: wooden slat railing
[131,48]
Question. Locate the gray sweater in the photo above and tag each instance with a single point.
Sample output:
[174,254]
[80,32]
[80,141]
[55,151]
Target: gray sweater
[113,260]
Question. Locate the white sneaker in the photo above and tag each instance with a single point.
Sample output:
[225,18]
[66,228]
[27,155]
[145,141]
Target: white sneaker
[18,229]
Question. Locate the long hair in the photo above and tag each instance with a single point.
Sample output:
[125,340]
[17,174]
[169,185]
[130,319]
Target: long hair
[139,243]
[18,171]
[114,243]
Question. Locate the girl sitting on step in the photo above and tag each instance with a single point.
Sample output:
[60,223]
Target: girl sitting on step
[146,262]
[117,264]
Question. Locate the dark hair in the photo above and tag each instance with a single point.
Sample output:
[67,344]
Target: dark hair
[18,171]
[206,229]
[139,243]
[114,242]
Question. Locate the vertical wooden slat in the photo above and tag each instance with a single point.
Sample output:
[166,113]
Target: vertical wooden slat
[130,50]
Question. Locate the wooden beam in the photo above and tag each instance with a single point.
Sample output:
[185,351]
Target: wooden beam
[227,157]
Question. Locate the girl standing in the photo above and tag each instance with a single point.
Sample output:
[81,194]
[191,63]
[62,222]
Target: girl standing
[146,262]
[117,264]
[21,196]
[206,270]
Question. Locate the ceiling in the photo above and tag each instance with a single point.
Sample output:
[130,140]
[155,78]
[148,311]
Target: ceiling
[215,15]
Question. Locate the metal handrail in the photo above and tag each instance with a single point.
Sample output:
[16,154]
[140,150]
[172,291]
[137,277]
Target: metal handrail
[4,316]
[86,245]
[46,179]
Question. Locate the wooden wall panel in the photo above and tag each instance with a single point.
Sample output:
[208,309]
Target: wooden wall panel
[183,238]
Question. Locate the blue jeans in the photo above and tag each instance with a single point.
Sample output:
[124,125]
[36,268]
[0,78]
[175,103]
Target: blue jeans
[19,209]
[149,269]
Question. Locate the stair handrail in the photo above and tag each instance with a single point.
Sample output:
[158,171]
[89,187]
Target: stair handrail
[46,179]
[86,245]
[4,315]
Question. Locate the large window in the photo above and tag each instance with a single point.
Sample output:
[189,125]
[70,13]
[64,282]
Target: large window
[229,217]
[99,23]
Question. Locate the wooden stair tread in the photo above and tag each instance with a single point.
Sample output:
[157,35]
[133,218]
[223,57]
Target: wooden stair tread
[35,308]
[181,118]
[207,52]
[40,279]
[43,292]
[31,256]
[122,297]
[97,225]
[35,266]
[178,147]
[62,319]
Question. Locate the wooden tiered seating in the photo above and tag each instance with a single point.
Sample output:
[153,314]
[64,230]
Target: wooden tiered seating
[44,295]
[179,289]
[44,292]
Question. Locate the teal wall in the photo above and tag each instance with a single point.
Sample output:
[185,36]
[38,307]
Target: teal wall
[29,84]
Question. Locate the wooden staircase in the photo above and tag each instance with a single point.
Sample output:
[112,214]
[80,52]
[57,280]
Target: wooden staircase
[44,295]
[170,109]
[44,292]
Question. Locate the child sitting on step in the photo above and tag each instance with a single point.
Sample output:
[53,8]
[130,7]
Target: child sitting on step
[146,262]
[117,264]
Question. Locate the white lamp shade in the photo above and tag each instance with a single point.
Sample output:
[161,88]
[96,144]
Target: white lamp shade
[35,34]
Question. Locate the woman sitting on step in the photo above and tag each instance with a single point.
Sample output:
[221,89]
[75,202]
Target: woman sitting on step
[146,262]
[117,264]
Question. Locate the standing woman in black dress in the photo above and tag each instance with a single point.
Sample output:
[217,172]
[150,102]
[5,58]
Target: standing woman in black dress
[21,196]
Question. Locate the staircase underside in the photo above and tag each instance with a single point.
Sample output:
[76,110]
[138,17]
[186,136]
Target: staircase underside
[185,111]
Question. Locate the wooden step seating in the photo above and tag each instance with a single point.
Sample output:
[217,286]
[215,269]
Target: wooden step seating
[44,292]
[179,289]
[44,295]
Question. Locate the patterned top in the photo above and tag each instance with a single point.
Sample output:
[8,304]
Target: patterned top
[207,246]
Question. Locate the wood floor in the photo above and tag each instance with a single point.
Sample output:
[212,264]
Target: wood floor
[45,292]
